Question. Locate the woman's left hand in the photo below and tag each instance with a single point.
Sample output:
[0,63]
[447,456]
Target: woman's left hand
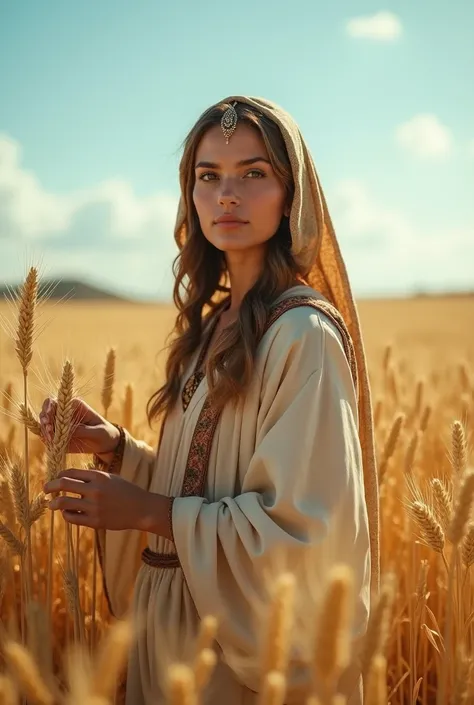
[106,501]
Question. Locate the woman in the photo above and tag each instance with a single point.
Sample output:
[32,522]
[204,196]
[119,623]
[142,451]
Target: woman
[267,425]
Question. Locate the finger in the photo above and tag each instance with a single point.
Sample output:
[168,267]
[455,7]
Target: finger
[79,519]
[70,504]
[77,474]
[66,484]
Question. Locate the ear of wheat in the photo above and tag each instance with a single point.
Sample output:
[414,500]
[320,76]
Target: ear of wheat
[26,674]
[63,420]
[462,508]
[279,623]
[109,380]
[333,635]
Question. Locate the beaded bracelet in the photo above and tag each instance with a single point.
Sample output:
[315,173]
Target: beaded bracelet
[118,454]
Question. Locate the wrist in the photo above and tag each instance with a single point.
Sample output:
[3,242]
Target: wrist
[111,460]
[155,515]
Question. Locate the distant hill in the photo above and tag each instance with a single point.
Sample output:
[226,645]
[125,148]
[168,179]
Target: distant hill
[68,289]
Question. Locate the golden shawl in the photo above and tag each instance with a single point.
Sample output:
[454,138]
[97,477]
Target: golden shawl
[316,249]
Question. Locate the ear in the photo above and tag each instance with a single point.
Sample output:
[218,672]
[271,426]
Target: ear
[287,211]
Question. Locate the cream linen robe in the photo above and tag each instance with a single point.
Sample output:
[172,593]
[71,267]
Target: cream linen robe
[278,469]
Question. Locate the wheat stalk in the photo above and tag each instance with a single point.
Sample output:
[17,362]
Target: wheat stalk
[468,547]
[37,508]
[27,301]
[30,420]
[16,546]
[63,422]
[8,692]
[204,665]
[390,445]
[111,658]
[462,509]
[26,674]
[279,623]
[443,503]
[379,624]
[7,397]
[332,644]
[109,380]
[19,493]
[127,413]
[430,528]
[411,452]
[181,685]
[425,418]
[376,691]
[7,508]
[459,448]
[274,689]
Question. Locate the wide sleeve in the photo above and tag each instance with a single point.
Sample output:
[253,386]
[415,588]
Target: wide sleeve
[306,468]
[120,551]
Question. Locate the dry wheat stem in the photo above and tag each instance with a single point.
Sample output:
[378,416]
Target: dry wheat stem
[462,509]
[376,691]
[459,448]
[56,454]
[390,445]
[181,685]
[279,623]
[332,644]
[379,623]
[26,674]
[127,414]
[204,666]
[274,689]
[63,422]
[468,547]
[411,452]
[430,528]
[16,546]
[30,420]
[207,633]
[108,382]
[111,658]
[443,503]
[8,691]
[19,492]
[27,302]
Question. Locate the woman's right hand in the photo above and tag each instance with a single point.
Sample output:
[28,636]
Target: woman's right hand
[91,432]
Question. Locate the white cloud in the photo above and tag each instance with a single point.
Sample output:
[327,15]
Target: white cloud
[105,233]
[387,253]
[426,136]
[110,209]
[364,221]
[383,26]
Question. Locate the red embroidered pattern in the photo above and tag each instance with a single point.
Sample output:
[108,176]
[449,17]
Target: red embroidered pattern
[195,475]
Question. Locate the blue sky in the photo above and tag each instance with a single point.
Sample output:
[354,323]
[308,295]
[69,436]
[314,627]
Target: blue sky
[96,98]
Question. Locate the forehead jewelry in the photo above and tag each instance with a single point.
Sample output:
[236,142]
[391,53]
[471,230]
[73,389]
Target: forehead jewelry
[229,122]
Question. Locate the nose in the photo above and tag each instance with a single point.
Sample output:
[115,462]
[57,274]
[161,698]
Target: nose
[227,197]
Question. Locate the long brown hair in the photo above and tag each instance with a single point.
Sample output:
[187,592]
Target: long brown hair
[201,280]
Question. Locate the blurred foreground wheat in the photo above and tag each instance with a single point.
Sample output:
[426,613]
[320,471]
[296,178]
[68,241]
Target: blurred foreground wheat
[420,639]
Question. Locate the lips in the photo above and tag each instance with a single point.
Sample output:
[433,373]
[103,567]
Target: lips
[229,219]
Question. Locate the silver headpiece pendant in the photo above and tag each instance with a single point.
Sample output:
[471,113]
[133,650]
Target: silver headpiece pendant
[229,122]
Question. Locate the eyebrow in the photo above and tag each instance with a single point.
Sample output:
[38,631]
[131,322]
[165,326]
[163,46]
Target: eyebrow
[243,162]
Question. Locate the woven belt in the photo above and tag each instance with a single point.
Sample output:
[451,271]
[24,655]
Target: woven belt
[160,560]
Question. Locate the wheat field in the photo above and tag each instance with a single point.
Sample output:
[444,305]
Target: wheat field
[420,640]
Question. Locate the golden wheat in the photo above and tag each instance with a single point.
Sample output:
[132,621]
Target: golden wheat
[333,635]
[25,671]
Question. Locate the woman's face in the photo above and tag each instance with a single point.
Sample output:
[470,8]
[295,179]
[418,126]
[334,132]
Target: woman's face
[237,180]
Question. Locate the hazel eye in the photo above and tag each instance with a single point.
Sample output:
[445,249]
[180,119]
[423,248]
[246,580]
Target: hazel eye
[207,173]
[259,173]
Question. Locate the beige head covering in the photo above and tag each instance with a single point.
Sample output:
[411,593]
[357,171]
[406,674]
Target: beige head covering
[315,248]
